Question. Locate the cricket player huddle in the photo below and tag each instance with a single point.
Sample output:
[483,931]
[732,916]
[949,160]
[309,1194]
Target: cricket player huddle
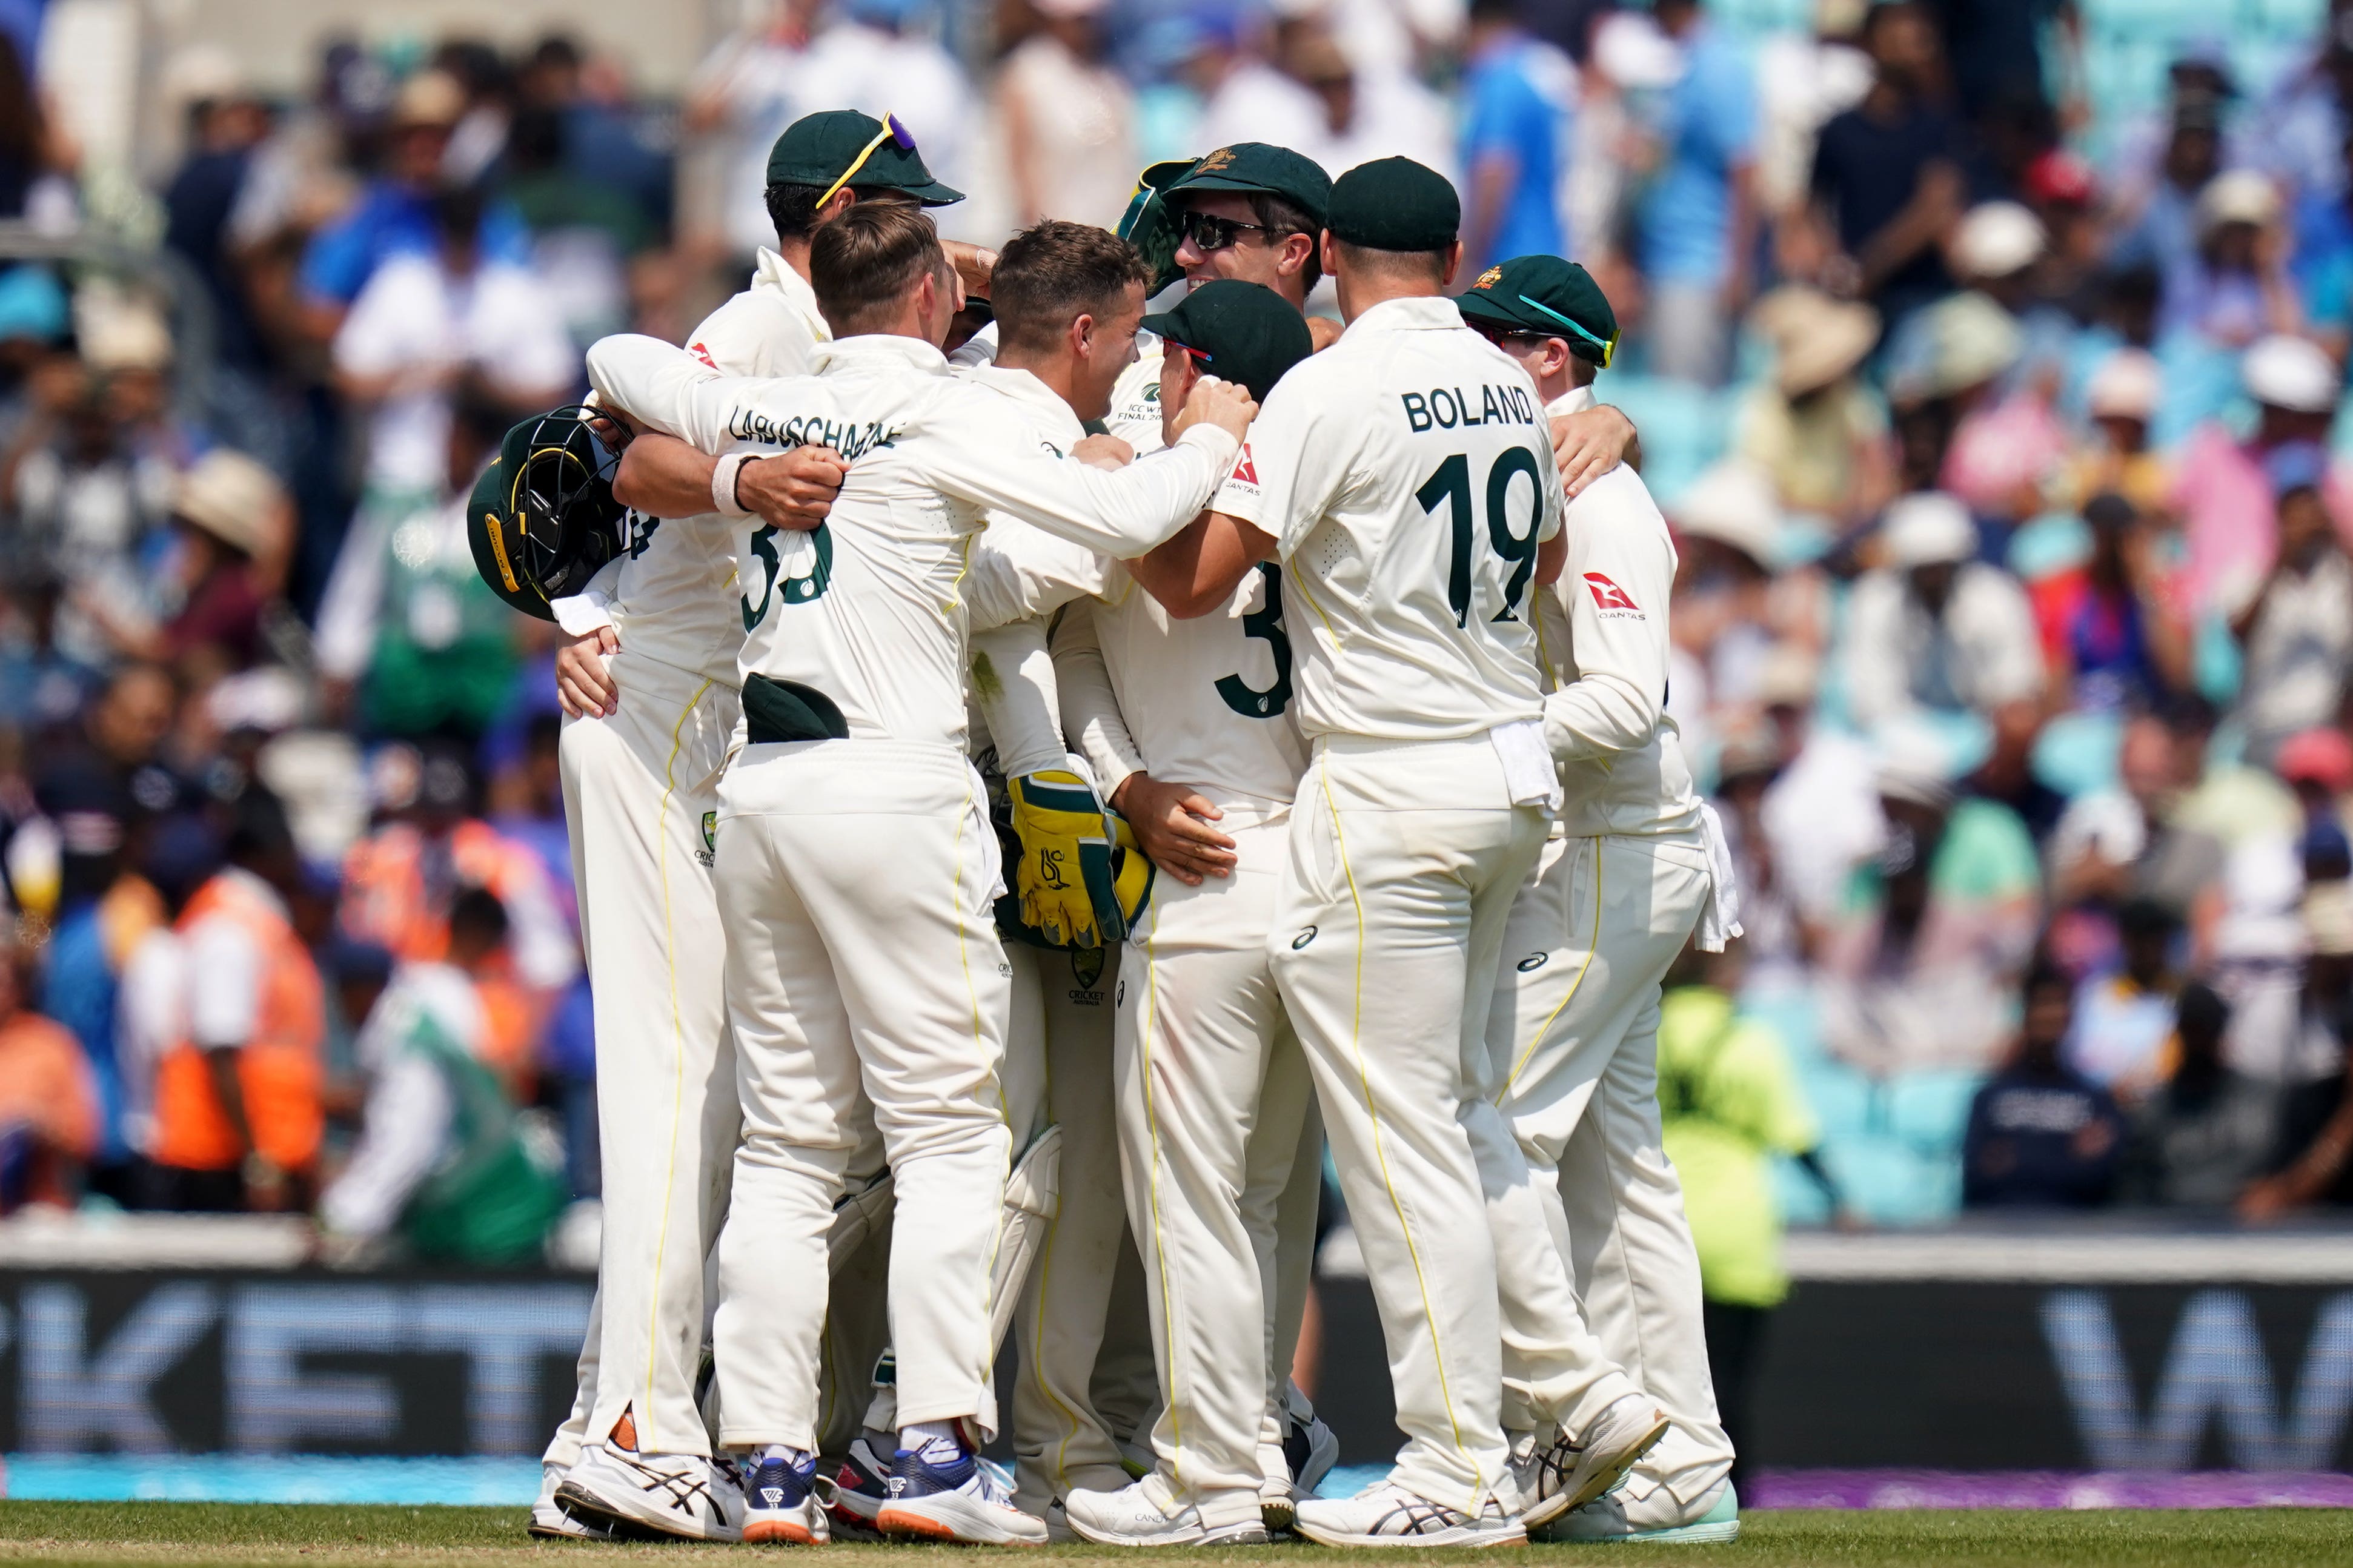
[1027,799]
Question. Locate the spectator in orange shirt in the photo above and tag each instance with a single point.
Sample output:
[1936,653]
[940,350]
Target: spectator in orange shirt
[511,1013]
[48,1106]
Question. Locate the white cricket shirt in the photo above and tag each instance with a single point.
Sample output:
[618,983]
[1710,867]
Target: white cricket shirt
[1603,629]
[1408,477]
[869,608]
[667,595]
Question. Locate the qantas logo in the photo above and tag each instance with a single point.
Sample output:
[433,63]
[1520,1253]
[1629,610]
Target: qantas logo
[1609,596]
[1246,472]
[703,354]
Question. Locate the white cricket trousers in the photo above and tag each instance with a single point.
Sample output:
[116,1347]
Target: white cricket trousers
[1403,861]
[1214,1096]
[855,879]
[1577,1020]
[1058,1073]
[639,788]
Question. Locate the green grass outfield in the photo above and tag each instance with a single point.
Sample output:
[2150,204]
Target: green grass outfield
[222,1533]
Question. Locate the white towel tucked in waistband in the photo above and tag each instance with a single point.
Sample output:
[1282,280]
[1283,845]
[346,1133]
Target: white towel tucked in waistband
[1719,922]
[1528,769]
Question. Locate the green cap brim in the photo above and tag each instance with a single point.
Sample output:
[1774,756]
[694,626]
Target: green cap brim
[934,194]
[1166,324]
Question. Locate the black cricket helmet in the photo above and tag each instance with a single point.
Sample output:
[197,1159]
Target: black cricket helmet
[542,518]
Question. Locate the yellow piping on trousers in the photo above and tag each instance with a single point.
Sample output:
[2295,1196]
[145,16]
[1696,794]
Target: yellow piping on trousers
[1159,1242]
[1363,1078]
[649,1441]
[1592,949]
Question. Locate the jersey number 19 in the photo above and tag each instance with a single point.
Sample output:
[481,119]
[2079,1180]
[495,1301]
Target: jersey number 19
[1451,484]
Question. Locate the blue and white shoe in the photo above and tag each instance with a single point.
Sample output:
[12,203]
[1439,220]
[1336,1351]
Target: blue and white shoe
[940,1492]
[782,1504]
[1714,1518]
[862,1487]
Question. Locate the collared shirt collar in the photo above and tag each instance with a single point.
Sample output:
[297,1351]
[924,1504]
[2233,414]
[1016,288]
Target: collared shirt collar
[1040,401]
[1411,315]
[1575,400]
[774,273]
[878,348]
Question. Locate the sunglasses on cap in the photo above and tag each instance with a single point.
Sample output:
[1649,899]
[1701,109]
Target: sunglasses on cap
[892,131]
[1604,350]
[1209,233]
[1200,357]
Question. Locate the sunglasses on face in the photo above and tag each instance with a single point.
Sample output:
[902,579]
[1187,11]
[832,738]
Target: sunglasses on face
[1209,233]
[892,131]
[1602,350]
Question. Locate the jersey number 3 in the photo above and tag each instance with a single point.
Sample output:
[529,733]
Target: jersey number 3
[1266,623]
[1450,483]
[797,590]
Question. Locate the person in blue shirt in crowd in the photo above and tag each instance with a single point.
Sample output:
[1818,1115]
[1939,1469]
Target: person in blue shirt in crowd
[2040,1134]
[1697,217]
[394,215]
[1518,95]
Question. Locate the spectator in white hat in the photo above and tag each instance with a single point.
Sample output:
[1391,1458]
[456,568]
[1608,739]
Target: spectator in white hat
[2003,250]
[1934,629]
[2222,491]
[234,524]
[2235,288]
[1736,597]
[1815,428]
[2122,399]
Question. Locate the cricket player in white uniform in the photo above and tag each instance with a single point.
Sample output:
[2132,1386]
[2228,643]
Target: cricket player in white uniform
[1409,479]
[649,689]
[854,868]
[1213,1094]
[1632,866]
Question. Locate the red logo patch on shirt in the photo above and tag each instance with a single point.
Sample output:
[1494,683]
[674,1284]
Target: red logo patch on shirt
[699,352]
[1244,470]
[1609,595]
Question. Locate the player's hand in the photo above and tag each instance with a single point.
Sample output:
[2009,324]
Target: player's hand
[1224,404]
[792,490]
[1064,880]
[1103,452]
[1323,332]
[973,266]
[1588,444]
[1171,822]
[582,682]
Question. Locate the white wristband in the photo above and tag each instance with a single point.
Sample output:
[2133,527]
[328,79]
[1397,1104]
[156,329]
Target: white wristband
[722,484]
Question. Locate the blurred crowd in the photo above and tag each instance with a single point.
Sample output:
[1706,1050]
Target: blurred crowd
[1996,421]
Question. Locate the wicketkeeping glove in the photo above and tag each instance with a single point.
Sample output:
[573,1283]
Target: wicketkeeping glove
[1132,873]
[1064,877]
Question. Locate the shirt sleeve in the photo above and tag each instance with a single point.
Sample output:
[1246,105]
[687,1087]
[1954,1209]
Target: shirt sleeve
[1299,461]
[1013,680]
[404,1125]
[374,338]
[994,463]
[1016,571]
[1620,569]
[224,984]
[335,263]
[1239,495]
[666,388]
[1091,715]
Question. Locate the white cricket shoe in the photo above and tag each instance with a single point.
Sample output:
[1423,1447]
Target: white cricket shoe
[549,1519]
[682,1495]
[1386,1514]
[1564,1475]
[1713,1517]
[1149,1514]
[938,1493]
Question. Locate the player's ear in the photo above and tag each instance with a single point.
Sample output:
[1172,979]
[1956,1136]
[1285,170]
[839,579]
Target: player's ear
[1330,252]
[1296,249]
[1453,263]
[1081,333]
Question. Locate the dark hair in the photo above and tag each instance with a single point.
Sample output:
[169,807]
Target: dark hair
[1365,258]
[2201,1012]
[1281,216]
[20,111]
[458,213]
[792,208]
[2044,975]
[862,264]
[1052,273]
[476,915]
[536,140]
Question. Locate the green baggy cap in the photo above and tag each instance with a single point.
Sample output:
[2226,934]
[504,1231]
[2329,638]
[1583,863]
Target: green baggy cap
[1245,333]
[819,149]
[1395,204]
[1548,297]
